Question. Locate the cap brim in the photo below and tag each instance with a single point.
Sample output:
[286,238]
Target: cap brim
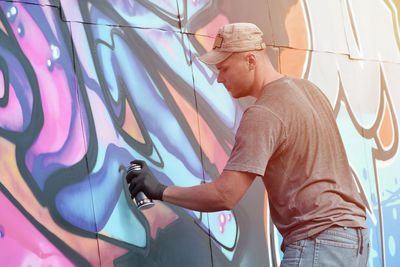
[214,57]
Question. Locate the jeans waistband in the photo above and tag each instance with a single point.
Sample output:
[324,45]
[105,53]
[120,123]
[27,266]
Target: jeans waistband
[358,232]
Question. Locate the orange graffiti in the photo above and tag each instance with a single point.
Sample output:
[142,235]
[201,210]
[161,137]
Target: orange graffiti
[210,145]
[296,27]
[292,61]
[159,217]
[266,218]
[131,126]
[2,27]
[108,253]
[386,131]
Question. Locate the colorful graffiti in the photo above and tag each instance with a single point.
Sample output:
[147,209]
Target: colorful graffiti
[86,86]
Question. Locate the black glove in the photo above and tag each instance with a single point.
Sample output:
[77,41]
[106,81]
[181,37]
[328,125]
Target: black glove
[143,181]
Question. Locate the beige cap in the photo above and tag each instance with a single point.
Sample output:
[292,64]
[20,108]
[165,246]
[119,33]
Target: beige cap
[235,37]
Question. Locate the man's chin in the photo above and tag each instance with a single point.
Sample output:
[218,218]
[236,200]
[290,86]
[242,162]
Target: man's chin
[232,95]
[236,93]
[236,96]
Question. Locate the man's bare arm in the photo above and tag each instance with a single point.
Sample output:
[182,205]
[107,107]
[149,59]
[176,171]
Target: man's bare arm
[221,194]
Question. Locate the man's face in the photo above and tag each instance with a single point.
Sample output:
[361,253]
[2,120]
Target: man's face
[234,74]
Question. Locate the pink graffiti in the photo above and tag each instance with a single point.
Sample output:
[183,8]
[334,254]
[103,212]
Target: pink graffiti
[21,244]
[56,98]
[11,115]
[2,89]
[222,222]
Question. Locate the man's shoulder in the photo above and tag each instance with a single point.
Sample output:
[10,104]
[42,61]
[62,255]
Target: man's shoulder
[262,113]
[280,87]
[281,90]
[277,92]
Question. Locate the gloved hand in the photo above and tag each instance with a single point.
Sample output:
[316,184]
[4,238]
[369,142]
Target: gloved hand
[144,181]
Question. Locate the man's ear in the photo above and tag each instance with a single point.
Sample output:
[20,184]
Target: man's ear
[251,61]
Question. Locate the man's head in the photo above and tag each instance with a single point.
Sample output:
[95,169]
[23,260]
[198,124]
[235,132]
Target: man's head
[240,58]
[231,38]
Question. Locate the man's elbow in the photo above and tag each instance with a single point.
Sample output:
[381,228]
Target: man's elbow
[225,205]
[231,186]
[227,201]
[229,205]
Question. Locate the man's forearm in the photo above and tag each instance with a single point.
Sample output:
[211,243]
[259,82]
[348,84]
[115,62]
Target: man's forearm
[204,197]
[221,194]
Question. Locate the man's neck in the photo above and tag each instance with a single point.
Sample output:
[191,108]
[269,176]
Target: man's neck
[268,78]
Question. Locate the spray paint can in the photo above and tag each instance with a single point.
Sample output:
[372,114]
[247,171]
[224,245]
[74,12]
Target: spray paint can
[141,200]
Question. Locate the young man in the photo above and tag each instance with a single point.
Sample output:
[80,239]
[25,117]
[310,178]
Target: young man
[288,137]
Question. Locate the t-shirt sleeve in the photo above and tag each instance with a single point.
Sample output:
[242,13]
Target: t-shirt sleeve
[260,133]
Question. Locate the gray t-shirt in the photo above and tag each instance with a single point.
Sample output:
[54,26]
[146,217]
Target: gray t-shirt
[290,138]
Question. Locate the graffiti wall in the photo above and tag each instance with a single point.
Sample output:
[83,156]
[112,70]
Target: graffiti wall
[86,86]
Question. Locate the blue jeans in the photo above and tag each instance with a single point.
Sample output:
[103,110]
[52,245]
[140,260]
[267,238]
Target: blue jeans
[336,246]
